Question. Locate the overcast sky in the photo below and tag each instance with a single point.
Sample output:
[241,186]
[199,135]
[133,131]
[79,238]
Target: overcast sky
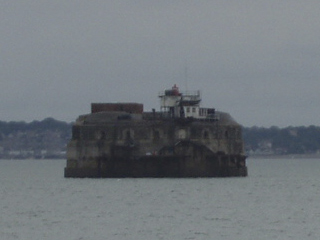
[257,60]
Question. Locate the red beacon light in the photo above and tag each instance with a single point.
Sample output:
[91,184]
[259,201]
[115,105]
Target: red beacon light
[175,90]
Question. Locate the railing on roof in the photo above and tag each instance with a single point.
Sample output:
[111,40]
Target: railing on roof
[167,115]
[184,94]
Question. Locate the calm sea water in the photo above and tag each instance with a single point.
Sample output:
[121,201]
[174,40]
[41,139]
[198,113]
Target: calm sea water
[279,200]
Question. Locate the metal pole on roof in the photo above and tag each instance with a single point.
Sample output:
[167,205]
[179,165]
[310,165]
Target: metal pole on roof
[186,77]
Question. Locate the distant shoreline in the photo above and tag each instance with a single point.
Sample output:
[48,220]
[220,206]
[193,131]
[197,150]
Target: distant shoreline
[286,156]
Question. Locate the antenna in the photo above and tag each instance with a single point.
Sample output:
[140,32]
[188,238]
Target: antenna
[186,77]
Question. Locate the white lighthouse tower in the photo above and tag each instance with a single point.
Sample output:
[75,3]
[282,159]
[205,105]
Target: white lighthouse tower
[180,105]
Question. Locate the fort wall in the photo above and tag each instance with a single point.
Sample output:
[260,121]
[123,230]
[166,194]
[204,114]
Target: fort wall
[115,144]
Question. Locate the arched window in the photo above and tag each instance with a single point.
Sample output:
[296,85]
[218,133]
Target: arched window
[100,135]
[156,135]
[103,135]
[226,134]
[128,134]
[182,134]
[206,134]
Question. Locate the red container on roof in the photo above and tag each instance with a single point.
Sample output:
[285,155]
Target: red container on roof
[117,107]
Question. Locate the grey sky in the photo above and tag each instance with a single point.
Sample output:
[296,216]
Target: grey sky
[257,60]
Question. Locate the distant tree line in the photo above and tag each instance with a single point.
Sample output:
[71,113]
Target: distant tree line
[289,140]
[44,125]
[50,135]
[38,139]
